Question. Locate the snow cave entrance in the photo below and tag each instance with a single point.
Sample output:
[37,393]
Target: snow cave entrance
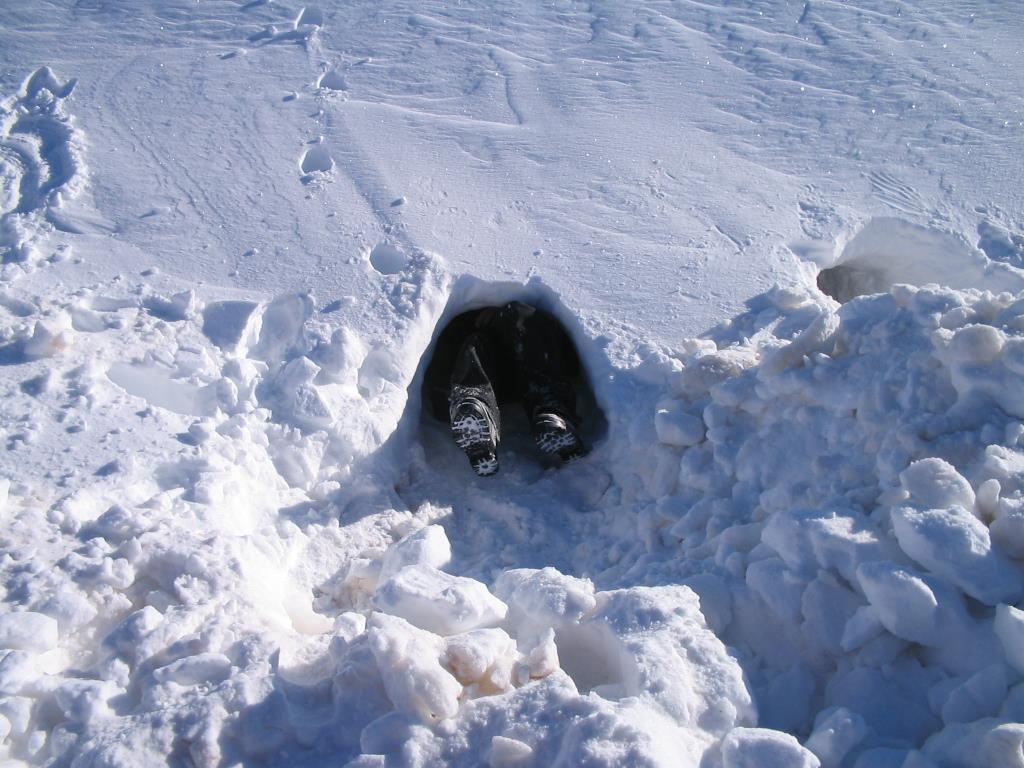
[889,251]
[518,456]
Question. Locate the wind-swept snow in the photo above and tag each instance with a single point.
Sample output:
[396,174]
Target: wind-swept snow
[786,241]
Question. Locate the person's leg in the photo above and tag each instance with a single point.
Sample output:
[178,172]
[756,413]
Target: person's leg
[472,405]
[545,364]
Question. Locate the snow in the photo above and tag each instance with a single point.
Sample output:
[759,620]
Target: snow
[28,631]
[434,600]
[786,240]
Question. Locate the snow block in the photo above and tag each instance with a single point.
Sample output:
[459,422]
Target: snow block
[437,601]
[935,484]
[126,636]
[954,544]
[407,659]
[810,539]
[294,396]
[281,326]
[1009,628]
[978,696]
[232,325]
[483,657]
[903,602]
[763,748]
[28,631]
[18,671]
[83,701]
[506,753]
[837,730]
[1003,745]
[193,670]
[676,427]
[1007,534]
[427,546]
[779,587]
[652,643]
[542,599]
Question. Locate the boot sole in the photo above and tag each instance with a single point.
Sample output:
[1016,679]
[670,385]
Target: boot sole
[561,441]
[474,434]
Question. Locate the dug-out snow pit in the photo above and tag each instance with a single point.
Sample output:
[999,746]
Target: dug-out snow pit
[889,251]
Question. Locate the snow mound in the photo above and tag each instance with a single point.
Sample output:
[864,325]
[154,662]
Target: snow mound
[798,536]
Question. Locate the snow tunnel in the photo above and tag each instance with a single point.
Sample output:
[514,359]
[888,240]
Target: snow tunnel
[888,251]
[474,305]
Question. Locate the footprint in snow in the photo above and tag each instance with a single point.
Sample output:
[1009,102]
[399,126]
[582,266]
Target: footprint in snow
[332,80]
[388,259]
[316,160]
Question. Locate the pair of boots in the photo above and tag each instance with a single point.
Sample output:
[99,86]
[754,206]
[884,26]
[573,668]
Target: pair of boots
[537,370]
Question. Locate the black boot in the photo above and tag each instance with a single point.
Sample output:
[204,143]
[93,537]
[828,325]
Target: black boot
[553,421]
[473,408]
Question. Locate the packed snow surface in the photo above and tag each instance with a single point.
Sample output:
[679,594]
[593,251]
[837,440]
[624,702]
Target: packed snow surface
[787,239]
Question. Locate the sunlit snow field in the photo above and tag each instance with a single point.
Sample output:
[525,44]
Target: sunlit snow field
[787,239]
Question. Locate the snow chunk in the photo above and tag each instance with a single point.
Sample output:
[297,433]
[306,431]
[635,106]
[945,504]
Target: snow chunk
[295,397]
[437,601]
[413,678]
[1009,628]
[978,696]
[652,643]
[545,598]
[763,748]
[483,657]
[863,625]
[1007,532]
[837,730]
[193,670]
[777,586]
[179,307]
[281,325]
[903,602]
[976,344]
[50,336]
[28,631]
[18,670]
[506,752]
[676,427]
[340,358]
[232,325]
[809,539]
[935,484]
[1004,746]
[83,701]
[127,636]
[428,546]
[954,544]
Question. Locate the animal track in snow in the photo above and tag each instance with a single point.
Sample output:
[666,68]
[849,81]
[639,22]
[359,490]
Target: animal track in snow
[897,194]
[41,164]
